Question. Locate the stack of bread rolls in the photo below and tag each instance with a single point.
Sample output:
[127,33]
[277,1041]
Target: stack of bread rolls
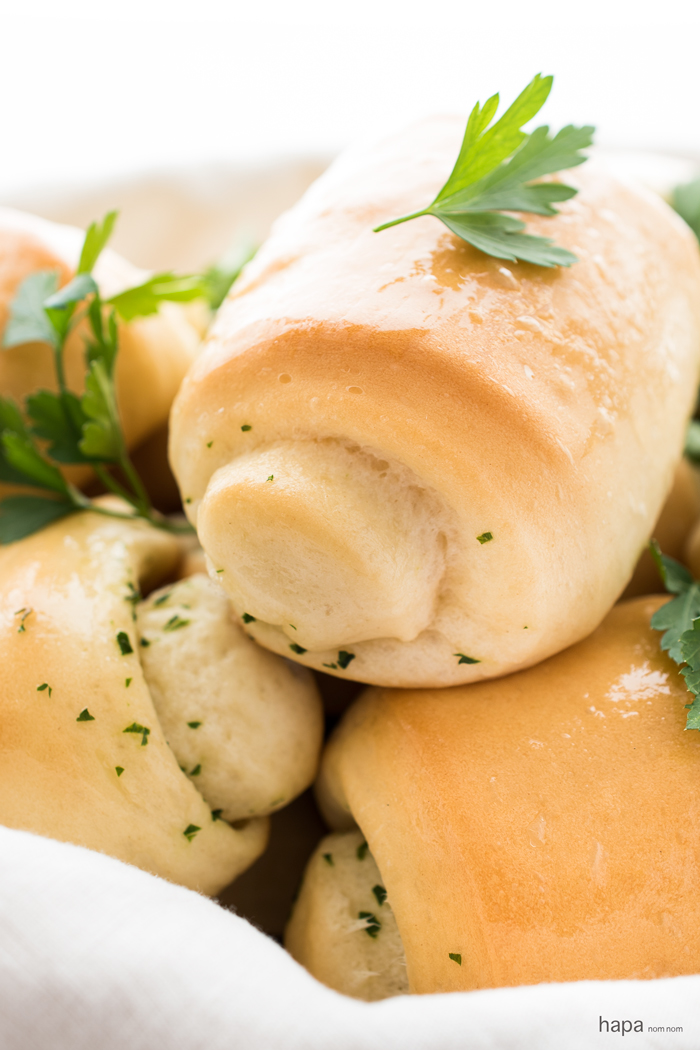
[413,465]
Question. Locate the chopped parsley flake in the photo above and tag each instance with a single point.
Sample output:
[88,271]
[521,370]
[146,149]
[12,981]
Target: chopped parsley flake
[188,499]
[219,570]
[467,659]
[456,957]
[216,814]
[134,594]
[247,618]
[119,770]
[345,658]
[144,643]
[85,716]
[197,770]
[485,537]
[136,728]
[124,643]
[373,924]
[175,623]
[43,686]
[194,725]
[297,648]
[246,426]
[270,478]
[328,857]
[162,598]
[380,893]
[361,851]
[190,831]
[209,444]
[333,667]
[127,682]
[23,614]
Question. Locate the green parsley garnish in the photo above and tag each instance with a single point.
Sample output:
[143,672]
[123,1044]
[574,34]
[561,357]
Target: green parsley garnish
[344,659]
[679,619]
[485,537]
[127,682]
[271,477]
[456,957]
[79,428]
[124,643]
[467,659]
[209,444]
[119,770]
[133,597]
[22,613]
[190,831]
[85,716]
[43,686]
[175,623]
[297,648]
[331,667]
[162,598]
[686,201]
[494,173]
[144,643]
[216,814]
[380,893]
[246,617]
[328,857]
[361,851]
[246,426]
[194,725]
[136,728]
[373,924]
[197,770]
[220,570]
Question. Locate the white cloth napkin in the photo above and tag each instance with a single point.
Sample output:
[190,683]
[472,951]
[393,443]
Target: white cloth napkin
[97,955]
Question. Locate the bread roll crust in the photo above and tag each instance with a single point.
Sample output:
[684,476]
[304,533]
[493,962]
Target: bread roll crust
[543,826]
[546,407]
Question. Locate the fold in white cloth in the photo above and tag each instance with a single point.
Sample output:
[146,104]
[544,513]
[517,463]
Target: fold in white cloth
[97,954]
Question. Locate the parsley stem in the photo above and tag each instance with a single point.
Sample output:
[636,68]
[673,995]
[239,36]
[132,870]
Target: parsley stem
[142,497]
[404,218]
[111,483]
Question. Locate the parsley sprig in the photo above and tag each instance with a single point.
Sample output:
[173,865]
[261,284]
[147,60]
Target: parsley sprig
[493,174]
[62,427]
[679,619]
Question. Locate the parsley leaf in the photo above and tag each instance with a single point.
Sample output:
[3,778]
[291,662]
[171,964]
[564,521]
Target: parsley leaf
[21,516]
[98,233]
[679,619]
[144,299]
[686,201]
[101,438]
[59,419]
[494,172]
[28,323]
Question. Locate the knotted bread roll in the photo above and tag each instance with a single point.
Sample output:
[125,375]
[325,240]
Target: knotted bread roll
[542,827]
[154,352]
[414,465]
[140,728]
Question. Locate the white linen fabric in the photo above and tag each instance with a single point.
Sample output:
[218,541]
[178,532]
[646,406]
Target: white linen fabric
[97,954]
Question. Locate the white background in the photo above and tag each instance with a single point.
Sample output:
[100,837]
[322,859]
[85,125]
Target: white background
[115,88]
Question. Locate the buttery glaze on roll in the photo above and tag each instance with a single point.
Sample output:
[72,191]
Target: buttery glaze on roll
[412,465]
[543,827]
[140,728]
[154,352]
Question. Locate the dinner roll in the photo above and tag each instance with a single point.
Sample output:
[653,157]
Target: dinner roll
[84,753]
[154,352]
[245,725]
[416,465]
[541,827]
[342,928]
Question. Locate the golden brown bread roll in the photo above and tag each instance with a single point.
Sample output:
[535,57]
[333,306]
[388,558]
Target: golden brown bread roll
[542,827]
[154,352]
[414,465]
[84,755]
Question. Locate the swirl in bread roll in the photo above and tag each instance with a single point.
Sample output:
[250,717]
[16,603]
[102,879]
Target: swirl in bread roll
[413,465]
[140,729]
[154,352]
[542,827]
